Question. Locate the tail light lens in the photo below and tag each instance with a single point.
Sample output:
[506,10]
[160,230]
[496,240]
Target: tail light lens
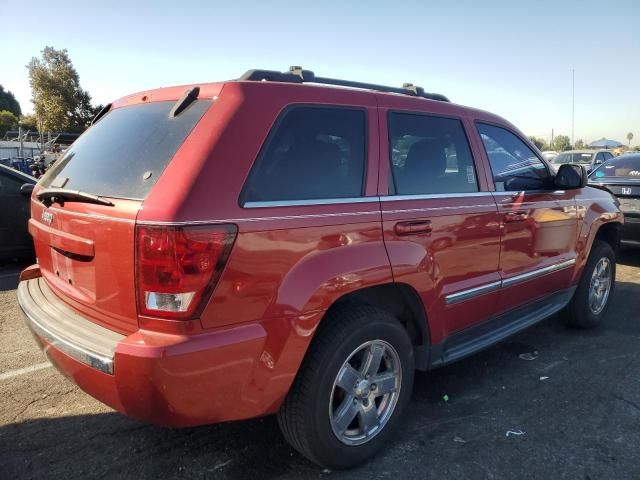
[178,267]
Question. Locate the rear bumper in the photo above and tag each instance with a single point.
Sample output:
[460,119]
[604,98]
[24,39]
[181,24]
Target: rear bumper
[167,379]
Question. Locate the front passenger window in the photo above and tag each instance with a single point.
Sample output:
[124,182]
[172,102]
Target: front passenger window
[514,165]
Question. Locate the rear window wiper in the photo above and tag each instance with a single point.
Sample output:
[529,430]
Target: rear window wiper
[48,196]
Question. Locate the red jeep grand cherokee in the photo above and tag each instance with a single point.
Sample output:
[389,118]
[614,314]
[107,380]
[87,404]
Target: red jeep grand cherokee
[276,244]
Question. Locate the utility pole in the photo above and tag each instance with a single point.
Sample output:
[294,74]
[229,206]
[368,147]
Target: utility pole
[573,105]
[551,144]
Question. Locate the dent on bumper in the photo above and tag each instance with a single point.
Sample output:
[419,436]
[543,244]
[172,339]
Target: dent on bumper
[181,380]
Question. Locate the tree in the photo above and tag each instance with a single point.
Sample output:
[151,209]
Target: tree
[561,143]
[8,102]
[8,121]
[59,101]
[539,142]
[579,145]
[629,138]
[29,122]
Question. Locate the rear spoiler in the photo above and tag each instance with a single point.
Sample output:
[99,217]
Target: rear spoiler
[101,113]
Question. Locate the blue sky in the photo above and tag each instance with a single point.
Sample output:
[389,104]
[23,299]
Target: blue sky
[510,57]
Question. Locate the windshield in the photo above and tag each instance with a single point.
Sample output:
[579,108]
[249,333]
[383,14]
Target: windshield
[126,151]
[573,158]
[627,166]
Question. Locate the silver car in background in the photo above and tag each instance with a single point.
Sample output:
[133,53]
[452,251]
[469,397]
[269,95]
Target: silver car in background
[590,159]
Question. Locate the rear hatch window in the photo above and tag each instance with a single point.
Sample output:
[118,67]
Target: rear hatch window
[123,154]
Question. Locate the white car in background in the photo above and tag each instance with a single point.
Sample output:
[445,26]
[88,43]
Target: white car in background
[549,155]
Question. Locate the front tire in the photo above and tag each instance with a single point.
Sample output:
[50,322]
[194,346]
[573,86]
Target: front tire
[591,299]
[352,388]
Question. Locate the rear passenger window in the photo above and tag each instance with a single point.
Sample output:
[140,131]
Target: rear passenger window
[514,165]
[312,153]
[429,155]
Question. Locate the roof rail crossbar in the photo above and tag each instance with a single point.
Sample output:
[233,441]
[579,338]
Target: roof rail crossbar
[299,75]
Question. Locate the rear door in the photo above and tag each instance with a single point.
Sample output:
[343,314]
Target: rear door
[539,234]
[441,230]
[85,250]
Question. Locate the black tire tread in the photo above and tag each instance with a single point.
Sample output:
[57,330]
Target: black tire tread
[332,329]
[576,314]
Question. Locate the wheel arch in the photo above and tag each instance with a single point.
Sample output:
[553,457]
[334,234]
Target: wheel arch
[399,300]
[598,228]
[609,232]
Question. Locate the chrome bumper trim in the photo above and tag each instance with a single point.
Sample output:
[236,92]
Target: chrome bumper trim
[104,364]
[60,335]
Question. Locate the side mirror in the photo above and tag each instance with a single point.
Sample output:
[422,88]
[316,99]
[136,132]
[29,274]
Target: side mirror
[26,189]
[570,176]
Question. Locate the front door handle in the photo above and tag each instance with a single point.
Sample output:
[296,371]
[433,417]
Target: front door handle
[517,216]
[414,227]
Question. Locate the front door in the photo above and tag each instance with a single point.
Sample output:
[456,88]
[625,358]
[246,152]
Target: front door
[441,231]
[539,223]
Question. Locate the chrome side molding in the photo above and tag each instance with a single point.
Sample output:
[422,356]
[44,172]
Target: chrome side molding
[507,282]
[473,292]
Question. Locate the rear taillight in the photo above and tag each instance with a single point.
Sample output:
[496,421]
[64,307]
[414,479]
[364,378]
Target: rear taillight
[178,266]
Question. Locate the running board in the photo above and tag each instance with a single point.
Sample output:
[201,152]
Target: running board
[478,337]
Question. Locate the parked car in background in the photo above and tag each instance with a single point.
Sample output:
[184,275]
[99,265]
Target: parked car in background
[15,241]
[22,164]
[621,176]
[549,155]
[590,159]
[284,263]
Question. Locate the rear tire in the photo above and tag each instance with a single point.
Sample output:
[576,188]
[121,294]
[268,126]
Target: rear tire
[336,415]
[591,299]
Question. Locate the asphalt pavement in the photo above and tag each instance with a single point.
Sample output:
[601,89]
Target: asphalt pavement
[551,402]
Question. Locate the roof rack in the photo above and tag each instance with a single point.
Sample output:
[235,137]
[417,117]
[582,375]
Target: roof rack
[299,75]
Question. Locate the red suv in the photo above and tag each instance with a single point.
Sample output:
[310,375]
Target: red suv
[291,244]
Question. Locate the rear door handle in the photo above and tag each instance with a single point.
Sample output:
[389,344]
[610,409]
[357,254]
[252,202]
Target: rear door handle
[517,216]
[414,227]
